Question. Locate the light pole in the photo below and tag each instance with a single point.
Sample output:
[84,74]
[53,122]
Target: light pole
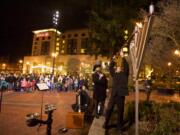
[27,67]
[54,55]
[20,65]
[55,23]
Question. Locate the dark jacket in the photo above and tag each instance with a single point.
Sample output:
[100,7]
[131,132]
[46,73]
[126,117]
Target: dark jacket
[100,86]
[120,80]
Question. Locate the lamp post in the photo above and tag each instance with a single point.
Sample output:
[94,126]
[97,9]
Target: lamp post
[54,55]
[20,65]
[27,67]
[55,23]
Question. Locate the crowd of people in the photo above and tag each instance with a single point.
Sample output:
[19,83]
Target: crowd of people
[119,73]
[27,82]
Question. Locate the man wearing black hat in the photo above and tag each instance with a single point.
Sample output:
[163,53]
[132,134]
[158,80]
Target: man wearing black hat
[99,93]
[119,75]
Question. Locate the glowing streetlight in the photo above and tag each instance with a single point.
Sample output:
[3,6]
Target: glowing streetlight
[20,61]
[176,52]
[169,64]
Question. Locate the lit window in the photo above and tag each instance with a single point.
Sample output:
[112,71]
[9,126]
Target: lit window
[62,51]
[57,48]
[82,50]
[57,44]
[57,39]
[63,41]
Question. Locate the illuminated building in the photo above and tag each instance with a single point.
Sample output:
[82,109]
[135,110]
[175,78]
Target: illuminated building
[43,42]
[70,46]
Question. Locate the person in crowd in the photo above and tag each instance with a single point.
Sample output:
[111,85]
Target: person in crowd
[148,87]
[24,84]
[76,84]
[10,79]
[82,100]
[119,75]
[3,83]
[99,92]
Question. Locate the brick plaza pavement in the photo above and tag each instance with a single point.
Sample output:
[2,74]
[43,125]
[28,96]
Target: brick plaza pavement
[16,105]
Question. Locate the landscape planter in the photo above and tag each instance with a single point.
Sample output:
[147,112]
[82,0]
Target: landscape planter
[166,91]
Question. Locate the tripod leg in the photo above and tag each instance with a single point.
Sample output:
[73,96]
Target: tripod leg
[42,104]
[1,100]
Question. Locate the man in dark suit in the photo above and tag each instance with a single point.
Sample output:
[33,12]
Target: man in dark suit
[119,75]
[99,93]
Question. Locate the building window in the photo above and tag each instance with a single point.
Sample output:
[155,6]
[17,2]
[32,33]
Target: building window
[69,35]
[63,41]
[57,48]
[82,50]
[62,51]
[45,48]
[72,46]
[49,37]
[63,36]
[83,34]
[43,38]
[84,44]
[35,47]
[35,43]
[75,35]
[57,44]
[37,39]
[57,39]
[35,53]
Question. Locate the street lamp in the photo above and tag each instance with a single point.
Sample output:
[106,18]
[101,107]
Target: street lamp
[20,64]
[176,52]
[54,55]
[169,64]
[4,66]
[56,16]
[27,66]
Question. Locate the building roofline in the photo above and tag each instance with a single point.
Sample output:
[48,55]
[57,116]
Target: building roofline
[46,30]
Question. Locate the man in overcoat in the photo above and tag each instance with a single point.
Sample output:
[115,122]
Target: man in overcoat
[119,75]
[99,92]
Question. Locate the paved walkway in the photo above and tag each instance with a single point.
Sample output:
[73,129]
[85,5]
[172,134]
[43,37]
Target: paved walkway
[96,127]
[16,105]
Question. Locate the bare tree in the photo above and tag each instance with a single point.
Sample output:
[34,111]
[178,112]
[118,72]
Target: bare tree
[165,36]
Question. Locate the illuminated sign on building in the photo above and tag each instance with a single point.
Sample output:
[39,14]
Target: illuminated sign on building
[42,34]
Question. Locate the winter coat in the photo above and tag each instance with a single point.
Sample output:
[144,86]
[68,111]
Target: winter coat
[100,86]
[120,80]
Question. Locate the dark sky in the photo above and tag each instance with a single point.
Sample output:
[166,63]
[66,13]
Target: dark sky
[20,18]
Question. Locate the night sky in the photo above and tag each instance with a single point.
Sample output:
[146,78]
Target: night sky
[20,18]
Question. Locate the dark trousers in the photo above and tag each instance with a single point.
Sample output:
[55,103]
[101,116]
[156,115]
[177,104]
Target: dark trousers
[119,101]
[100,104]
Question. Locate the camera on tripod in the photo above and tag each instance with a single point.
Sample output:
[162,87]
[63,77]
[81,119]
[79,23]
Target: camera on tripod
[49,108]
[33,119]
